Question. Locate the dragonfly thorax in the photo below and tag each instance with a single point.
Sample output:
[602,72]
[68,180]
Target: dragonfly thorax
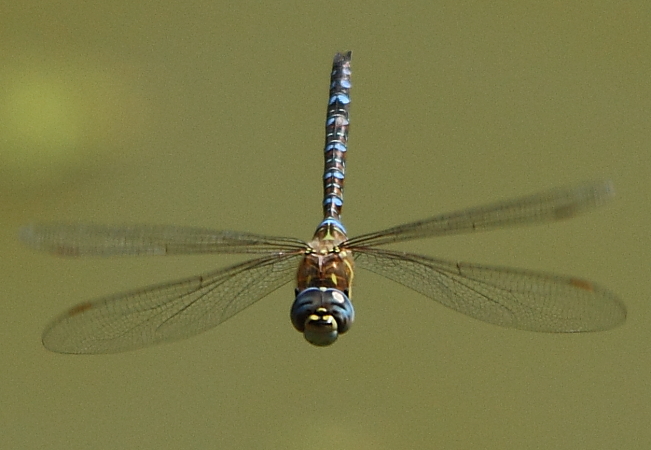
[326,263]
[321,314]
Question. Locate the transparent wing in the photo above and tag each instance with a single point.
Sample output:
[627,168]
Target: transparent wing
[543,207]
[101,240]
[168,311]
[506,297]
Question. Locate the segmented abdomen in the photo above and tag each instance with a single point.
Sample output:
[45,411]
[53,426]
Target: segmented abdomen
[336,140]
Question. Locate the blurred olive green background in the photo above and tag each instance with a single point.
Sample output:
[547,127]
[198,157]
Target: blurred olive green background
[211,113]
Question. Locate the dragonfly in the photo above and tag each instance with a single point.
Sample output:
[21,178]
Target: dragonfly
[323,268]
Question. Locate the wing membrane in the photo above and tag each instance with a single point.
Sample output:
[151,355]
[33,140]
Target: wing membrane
[543,207]
[501,296]
[169,311]
[101,240]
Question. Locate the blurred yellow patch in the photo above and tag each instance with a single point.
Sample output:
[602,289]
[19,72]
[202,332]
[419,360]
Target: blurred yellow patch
[61,120]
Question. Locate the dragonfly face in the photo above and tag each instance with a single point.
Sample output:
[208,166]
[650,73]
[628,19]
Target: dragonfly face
[321,314]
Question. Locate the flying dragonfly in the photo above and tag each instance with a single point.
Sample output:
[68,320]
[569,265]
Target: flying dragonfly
[323,268]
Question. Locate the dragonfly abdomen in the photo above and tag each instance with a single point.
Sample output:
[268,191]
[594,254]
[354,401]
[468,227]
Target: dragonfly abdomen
[336,141]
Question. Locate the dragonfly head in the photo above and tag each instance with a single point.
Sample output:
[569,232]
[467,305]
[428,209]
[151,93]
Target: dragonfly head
[322,314]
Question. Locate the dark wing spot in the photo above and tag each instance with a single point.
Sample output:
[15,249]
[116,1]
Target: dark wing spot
[83,307]
[582,284]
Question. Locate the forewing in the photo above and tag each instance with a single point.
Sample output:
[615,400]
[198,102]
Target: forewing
[170,311]
[102,240]
[547,206]
[506,297]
